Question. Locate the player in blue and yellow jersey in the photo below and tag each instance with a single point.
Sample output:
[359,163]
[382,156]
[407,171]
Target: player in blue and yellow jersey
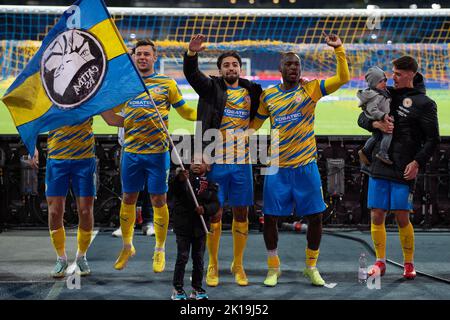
[146,152]
[71,163]
[226,104]
[293,179]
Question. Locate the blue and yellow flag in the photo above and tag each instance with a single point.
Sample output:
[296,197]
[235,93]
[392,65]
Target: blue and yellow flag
[81,69]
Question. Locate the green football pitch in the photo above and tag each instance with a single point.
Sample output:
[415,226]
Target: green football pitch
[336,115]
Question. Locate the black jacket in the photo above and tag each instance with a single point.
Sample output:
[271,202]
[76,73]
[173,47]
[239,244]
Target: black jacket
[212,93]
[415,135]
[186,221]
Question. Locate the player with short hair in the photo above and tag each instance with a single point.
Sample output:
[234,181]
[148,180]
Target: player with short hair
[415,137]
[295,180]
[226,104]
[71,163]
[146,152]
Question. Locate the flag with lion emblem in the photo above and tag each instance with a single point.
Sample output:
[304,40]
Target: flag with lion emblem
[81,69]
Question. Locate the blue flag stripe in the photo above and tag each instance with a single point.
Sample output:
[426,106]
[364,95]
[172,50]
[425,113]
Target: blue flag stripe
[91,13]
[115,90]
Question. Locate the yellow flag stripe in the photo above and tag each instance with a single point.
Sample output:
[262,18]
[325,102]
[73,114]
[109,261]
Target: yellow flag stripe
[112,43]
[28,101]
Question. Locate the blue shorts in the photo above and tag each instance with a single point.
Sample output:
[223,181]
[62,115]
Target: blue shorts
[80,174]
[389,195]
[300,186]
[235,183]
[153,167]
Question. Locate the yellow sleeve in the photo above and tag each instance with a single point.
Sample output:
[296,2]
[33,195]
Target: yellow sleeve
[261,115]
[342,72]
[186,112]
[177,101]
[316,89]
[175,95]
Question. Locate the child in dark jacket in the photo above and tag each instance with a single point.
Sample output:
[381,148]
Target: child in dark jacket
[189,228]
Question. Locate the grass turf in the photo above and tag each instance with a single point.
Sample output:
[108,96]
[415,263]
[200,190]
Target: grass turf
[333,116]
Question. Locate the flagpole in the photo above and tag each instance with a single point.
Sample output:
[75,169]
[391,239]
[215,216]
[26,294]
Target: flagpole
[159,116]
[177,156]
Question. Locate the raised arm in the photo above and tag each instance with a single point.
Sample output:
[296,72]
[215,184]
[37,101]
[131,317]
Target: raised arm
[201,83]
[342,72]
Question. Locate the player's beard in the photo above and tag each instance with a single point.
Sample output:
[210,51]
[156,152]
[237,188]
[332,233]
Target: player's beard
[231,78]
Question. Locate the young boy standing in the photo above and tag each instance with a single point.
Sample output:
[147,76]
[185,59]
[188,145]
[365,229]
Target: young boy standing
[188,226]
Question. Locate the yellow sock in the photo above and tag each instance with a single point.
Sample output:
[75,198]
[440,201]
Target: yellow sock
[161,224]
[58,238]
[311,257]
[273,261]
[84,240]
[240,234]
[407,240]
[127,220]
[379,239]
[213,241]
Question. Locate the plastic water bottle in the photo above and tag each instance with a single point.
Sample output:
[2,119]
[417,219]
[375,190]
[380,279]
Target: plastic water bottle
[362,271]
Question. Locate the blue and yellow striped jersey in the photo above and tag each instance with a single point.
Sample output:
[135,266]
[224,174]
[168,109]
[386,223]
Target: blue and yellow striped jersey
[291,115]
[236,119]
[291,112]
[143,129]
[72,142]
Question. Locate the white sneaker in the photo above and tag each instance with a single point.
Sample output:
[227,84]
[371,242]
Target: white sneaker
[148,230]
[117,233]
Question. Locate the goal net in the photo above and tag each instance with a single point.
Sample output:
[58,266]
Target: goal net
[371,37]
